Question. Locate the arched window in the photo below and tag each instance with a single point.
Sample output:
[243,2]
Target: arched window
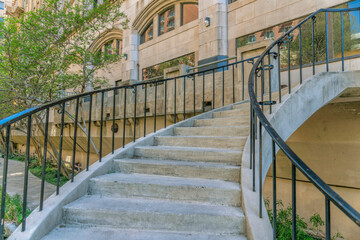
[167,21]
[113,46]
[148,33]
[189,12]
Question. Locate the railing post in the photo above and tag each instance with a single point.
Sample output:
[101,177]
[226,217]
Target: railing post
[60,148]
[274,190]
[327,219]
[124,123]
[75,138]
[113,122]
[293,183]
[101,126]
[26,173]
[43,162]
[260,170]
[89,135]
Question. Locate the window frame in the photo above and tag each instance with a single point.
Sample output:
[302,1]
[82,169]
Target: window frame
[159,19]
[142,39]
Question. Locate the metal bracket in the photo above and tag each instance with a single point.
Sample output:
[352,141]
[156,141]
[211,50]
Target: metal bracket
[268,67]
[267,103]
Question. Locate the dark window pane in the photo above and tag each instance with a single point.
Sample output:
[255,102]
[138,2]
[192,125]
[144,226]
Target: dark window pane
[167,21]
[148,34]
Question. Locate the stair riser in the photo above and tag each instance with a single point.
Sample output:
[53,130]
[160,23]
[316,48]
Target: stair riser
[205,156]
[231,114]
[221,122]
[201,142]
[221,132]
[241,107]
[178,193]
[231,174]
[157,221]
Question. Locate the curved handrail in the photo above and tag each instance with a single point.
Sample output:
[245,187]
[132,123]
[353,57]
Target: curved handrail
[327,191]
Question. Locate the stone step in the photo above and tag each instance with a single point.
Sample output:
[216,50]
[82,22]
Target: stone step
[149,214]
[217,155]
[231,113]
[219,122]
[202,141]
[245,106]
[165,187]
[179,169]
[229,131]
[67,232]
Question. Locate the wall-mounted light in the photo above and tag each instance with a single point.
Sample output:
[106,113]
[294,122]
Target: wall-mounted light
[207,22]
[125,56]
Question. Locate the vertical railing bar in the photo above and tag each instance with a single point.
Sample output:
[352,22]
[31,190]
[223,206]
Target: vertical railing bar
[203,93]
[165,104]
[89,136]
[184,79]
[4,181]
[300,52]
[46,133]
[342,42]
[26,173]
[233,83]
[327,41]
[175,101]
[193,76]
[270,97]
[223,86]
[213,71]
[293,181]
[124,118]
[279,73]
[135,100]
[113,122]
[274,190]
[327,219]
[253,154]
[101,126]
[60,148]
[262,83]
[155,108]
[289,64]
[145,99]
[243,80]
[260,170]
[251,134]
[75,138]
[313,43]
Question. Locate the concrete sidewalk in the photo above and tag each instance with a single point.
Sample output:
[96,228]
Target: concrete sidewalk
[15,183]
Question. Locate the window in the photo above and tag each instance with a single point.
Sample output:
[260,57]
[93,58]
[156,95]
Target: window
[231,1]
[113,46]
[148,34]
[285,29]
[167,21]
[189,13]
[252,39]
[2,5]
[269,35]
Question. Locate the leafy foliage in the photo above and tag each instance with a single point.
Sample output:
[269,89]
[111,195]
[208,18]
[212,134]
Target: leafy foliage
[14,209]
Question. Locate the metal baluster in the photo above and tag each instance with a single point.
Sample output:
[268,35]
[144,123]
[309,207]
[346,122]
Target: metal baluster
[327,219]
[233,82]
[75,139]
[124,123]
[60,148]
[270,97]
[46,133]
[313,42]
[203,93]
[194,95]
[251,134]
[300,52]
[184,97]
[26,173]
[175,102]
[4,181]
[101,125]
[223,86]
[145,99]
[274,190]
[165,101]
[262,83]
[213,88]
[243,80]
[260,169]
[253,143]
[155,107]
[89,136]
[342,42]
[279,73]
[135,98]
[113,123]
[293,181]
[327,41]
[289,75]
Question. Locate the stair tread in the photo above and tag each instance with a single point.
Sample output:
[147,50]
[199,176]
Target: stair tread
[166,181]
[101,203]
[176,162]
[65,232]
[199,149]
[204,137]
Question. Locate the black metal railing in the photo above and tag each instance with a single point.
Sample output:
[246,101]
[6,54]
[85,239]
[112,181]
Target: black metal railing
[74,117]
[260,124]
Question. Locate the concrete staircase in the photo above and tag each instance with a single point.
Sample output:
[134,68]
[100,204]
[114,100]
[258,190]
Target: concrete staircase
[185,187]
